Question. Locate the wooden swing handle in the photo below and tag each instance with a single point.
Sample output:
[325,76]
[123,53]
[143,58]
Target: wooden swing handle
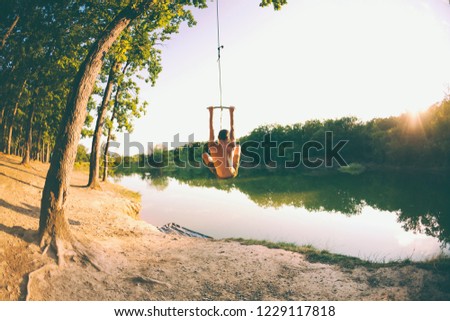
[219,107]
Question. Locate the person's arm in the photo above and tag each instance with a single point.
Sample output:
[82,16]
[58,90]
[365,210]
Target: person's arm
[232,139]
[211,128]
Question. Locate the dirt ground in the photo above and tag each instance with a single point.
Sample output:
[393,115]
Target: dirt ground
[140,263]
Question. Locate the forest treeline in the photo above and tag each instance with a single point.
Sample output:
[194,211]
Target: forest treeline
[414,140]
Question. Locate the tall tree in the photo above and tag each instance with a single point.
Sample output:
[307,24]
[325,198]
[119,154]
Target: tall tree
[140,54]
[137,47]
[109,136]
[110,123]
[28,136]
[126,107]
[11,122]
[8,32]
[53,225]
[94,164]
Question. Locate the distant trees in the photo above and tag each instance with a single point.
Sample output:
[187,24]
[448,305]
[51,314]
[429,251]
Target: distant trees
[410,140]
[82,154]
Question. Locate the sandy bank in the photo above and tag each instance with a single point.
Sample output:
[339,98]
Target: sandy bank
[140,263]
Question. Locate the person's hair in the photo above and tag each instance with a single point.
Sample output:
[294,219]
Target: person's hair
[223,134]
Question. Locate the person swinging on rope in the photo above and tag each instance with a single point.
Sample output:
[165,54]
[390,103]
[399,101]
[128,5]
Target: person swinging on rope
[224,155]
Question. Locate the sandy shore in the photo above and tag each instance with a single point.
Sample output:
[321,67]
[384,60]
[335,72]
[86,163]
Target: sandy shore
[140,263]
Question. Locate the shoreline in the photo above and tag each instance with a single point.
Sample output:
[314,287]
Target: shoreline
[138,262]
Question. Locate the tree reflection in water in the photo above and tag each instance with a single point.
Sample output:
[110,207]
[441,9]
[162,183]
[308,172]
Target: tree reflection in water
[420,200]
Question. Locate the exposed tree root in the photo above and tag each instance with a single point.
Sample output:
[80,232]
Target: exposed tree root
[32,275]
[45,249]
[85,255]
[72,248]
[142,279]
[95,186]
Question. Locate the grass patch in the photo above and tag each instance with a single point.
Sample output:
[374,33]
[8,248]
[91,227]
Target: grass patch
[313,255]
[122,191]
[126,193]
[440,263]
[352,169]
[82,167]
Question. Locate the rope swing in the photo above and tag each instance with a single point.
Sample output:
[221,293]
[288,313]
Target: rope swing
[219,49]
[219,52]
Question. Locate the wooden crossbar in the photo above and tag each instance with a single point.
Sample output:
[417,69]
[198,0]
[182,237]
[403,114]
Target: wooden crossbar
[220,107]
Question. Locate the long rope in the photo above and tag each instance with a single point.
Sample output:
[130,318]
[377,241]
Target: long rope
[219,48]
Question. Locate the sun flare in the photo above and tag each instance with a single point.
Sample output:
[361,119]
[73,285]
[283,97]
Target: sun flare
[415,120]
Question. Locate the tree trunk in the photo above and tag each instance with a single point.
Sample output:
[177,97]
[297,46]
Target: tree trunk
[94,164]
[113,116]
[3,132]
[43,151]
[8,33]
[105,155]
[38,154]
[28,137]
[47,154]
[9,139]
[53,226]
[11,121]
[2,113]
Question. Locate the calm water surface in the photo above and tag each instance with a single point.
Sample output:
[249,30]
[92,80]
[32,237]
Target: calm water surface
[374,216]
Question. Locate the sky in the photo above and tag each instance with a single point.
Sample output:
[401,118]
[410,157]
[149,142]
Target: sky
[313,59]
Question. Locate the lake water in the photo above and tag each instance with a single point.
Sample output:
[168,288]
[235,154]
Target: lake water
[380,217]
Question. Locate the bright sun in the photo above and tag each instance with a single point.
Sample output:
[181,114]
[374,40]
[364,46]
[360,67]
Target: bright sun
[414,119]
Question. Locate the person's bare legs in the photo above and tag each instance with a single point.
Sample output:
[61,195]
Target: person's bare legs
[236,158]
[209,162]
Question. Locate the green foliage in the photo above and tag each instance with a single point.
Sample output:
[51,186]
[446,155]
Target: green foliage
[138,57]
[42,55]
[277,4]
[414,141]
[82,154]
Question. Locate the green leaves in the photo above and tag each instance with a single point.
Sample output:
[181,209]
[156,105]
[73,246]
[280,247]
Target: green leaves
[277,4]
